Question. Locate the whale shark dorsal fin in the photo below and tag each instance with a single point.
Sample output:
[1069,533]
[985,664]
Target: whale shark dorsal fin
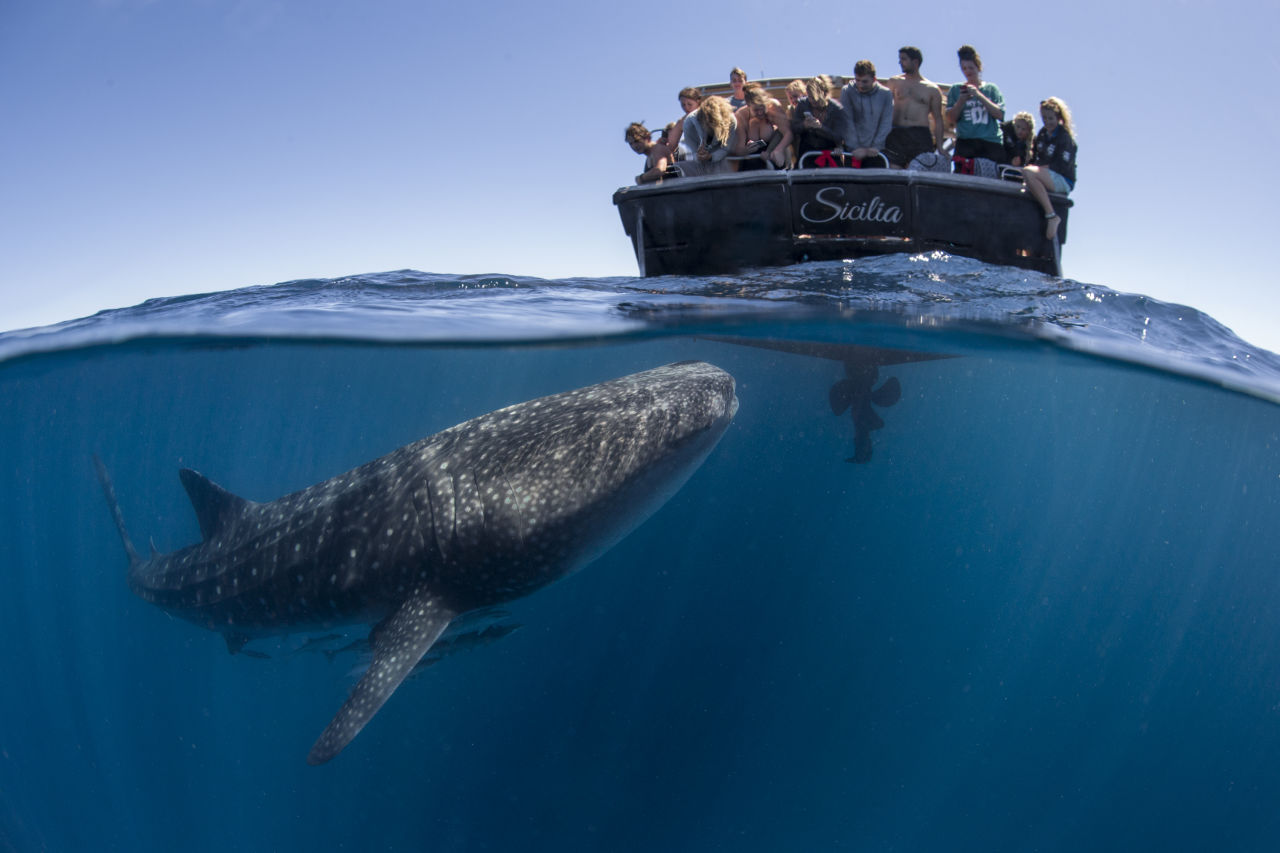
[212,503]
[399,642]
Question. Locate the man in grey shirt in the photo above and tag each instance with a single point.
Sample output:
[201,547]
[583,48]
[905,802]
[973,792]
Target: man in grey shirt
[869,107]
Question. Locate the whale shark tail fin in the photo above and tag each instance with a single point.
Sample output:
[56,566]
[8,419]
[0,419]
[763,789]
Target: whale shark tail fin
[399,642]
[212,503]
[110,492]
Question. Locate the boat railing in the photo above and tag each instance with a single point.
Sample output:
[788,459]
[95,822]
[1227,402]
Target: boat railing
[678,165]
[1006,173]
[840,152]
[1010,173]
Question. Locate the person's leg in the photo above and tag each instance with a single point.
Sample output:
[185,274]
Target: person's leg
[1038,182]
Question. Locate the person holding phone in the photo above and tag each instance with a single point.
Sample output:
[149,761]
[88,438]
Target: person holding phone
[976,108]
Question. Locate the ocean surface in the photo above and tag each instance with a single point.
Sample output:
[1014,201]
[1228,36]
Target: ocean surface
[1040,612]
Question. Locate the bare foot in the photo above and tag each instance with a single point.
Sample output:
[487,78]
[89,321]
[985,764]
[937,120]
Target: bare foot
[1051,224]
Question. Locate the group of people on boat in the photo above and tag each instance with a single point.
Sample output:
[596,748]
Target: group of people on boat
[900,122]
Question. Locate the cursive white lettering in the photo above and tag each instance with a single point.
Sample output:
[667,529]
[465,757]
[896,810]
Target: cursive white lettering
[832,198]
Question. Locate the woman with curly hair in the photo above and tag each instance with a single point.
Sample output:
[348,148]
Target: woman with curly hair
[708,132]
[1019,139]
[1054,169]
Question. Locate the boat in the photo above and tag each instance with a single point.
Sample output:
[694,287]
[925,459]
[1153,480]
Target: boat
[724,223]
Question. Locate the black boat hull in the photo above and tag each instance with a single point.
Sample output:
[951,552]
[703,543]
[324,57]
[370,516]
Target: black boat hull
[724,223]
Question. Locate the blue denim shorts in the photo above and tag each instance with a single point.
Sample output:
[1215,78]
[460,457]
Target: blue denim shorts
[1060,184]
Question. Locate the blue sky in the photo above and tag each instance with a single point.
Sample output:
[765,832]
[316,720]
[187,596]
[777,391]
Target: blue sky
[158,147]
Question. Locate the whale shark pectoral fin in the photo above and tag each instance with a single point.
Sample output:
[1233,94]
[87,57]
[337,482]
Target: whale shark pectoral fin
[212,503]
[235,642]
[399,643]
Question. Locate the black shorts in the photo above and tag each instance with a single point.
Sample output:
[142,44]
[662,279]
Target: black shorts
[983,148]
[904,144]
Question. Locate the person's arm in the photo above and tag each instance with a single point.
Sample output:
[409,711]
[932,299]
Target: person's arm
[782,123]
[995,109]
[1012,144]
[884,121]
[692,133]
[956,97]
[939,129]
[849,137]
[1064,156]
[661,156]
[738,139]
[722,151]
[851,140]
[841,124]
[797,121]
[673,142]
[826,137]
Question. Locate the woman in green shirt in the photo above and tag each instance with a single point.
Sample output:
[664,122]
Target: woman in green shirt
[976,109]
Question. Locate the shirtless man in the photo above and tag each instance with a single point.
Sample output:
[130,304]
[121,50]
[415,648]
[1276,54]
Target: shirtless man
[763,126]
[656,155]
[915,102]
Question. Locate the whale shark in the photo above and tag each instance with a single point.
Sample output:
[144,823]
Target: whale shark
[468,518]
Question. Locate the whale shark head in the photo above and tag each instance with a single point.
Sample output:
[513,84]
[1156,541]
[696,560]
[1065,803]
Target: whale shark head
[658,428]
[581,469]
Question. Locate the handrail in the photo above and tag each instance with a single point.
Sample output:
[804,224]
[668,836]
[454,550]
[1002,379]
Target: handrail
[805,156]
[679,164]
[883,159]
[759,155]
[841,153]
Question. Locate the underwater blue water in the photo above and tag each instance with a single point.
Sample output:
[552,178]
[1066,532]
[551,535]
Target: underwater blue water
[1045,615]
